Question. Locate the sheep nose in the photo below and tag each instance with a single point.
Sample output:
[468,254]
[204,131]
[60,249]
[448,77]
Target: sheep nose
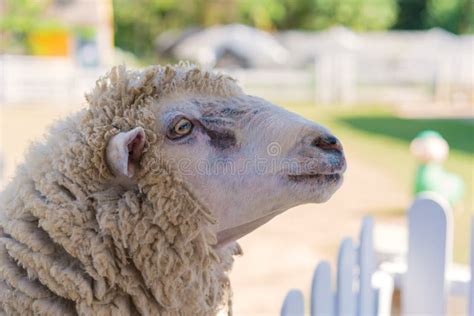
[327,143]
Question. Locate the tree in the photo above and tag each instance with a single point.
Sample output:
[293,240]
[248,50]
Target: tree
[362,15]
[138,23]
[411,14]
[456,16]
[20,18]
[319,14]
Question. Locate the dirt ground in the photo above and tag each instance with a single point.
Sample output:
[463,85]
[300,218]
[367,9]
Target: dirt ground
[278,256]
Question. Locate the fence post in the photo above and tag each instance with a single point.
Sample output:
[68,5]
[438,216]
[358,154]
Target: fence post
[293,304]
[346,74]
[345,276]
[366,269]
[322,299]
[2,163]
[471,294]
[429,251]
[384,285]
[324,79]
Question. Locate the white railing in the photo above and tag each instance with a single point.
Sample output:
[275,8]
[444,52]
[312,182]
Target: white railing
[426,279]
[29,80]
[338,79]
[277,84]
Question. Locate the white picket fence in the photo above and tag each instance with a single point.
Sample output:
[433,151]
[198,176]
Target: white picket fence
[335,78]
[364,289]
[34,80]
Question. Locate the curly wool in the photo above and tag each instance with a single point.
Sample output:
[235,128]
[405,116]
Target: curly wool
[73,243]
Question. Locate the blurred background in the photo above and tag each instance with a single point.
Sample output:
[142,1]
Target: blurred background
[376,72]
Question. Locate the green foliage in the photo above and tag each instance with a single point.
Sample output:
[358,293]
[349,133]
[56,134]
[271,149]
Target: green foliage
[21,18]
[358,14]
[456,16]
[264,14]
[319,14]
[411,14]
[84,32]
[138,23]
[21,15]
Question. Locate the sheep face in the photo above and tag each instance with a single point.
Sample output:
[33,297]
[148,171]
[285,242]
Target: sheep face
[245,158]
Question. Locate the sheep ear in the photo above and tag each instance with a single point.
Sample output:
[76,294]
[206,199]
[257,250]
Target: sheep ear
[124,151]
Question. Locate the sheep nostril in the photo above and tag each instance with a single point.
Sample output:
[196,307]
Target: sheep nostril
[327,142]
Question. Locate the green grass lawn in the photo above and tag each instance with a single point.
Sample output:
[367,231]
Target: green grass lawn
[377,136]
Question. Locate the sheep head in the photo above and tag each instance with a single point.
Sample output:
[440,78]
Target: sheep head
[245,159]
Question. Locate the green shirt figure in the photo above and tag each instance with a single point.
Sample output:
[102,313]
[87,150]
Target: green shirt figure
[431,149]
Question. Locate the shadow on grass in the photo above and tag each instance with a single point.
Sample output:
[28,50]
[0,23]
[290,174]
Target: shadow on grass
[459,133]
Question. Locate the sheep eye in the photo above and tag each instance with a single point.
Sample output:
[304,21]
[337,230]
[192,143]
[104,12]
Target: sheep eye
[183,127]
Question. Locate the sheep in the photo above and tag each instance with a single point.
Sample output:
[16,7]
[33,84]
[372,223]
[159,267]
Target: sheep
[129,208]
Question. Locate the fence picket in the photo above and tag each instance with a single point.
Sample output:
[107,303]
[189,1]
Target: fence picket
[429,251]
[383,293]
[424,284]
[345,270]
[293,304]
[366,268]
[471,294]
[322,299]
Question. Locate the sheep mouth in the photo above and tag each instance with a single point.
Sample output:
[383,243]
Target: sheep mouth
[333,177]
